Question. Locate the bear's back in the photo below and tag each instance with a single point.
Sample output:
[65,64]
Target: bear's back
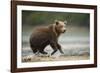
[41,36]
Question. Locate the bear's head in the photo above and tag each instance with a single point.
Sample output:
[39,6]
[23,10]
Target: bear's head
[60,26]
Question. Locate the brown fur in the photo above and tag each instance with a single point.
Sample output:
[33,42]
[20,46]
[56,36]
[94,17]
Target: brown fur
[43,36]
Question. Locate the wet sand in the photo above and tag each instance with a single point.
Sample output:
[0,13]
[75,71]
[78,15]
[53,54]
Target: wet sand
[53,58]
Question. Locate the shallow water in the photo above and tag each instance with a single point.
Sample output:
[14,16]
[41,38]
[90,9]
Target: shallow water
[74,42]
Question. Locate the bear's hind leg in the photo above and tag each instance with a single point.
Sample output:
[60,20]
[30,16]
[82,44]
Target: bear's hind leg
[34,50]
[42,51]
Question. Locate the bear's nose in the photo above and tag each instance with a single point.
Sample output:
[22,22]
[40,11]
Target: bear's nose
[64,30]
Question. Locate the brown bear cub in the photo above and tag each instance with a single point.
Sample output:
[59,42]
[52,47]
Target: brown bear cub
[43,36]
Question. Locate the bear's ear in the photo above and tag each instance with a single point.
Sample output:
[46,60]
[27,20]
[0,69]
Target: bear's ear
[56,22]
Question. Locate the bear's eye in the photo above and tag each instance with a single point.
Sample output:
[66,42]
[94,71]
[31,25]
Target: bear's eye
[57,23]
